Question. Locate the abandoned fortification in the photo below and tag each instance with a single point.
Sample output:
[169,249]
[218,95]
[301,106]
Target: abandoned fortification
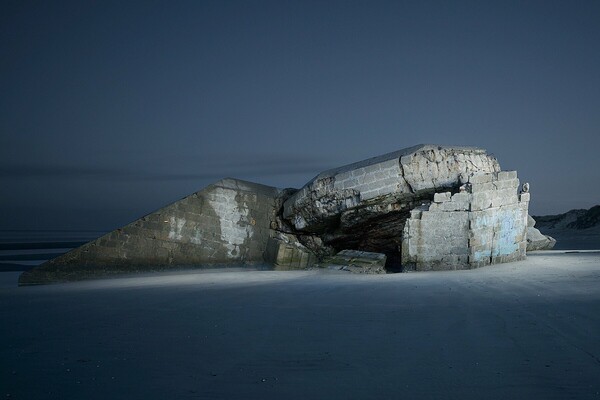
[422,208]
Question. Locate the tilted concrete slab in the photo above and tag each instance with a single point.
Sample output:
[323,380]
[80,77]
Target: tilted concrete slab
[402,175]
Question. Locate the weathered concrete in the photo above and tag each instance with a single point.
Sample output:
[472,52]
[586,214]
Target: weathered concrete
[483,224]
[536,240]
[364,206]
[285,252]
[422,208]
[225,223]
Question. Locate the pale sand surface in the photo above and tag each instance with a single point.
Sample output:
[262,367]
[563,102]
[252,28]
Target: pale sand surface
[515,331]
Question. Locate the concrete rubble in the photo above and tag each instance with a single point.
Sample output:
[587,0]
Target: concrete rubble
[536,240]
[426,207]
[355,261]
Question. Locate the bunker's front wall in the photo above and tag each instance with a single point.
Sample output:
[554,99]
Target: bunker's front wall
[469,230]
[436,240]
[224,223]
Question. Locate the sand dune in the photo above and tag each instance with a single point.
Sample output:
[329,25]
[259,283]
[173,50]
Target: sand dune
[523,330]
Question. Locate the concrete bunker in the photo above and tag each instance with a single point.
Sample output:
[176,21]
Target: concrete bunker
[426,207]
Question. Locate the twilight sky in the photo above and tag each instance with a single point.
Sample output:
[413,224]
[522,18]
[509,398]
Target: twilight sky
[110,110]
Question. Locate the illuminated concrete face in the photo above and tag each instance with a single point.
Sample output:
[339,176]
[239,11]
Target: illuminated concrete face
[484,223]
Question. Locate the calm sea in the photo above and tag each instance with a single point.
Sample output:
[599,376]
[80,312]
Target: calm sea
[23,249]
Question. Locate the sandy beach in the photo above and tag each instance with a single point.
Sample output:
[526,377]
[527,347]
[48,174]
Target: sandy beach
[529,329]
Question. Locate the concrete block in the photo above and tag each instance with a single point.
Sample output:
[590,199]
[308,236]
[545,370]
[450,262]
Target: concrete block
[481,201]
[507,175]
[481,178]
[369,169]
[341,177]
[407,159]
[461,197]
[482,187]
[359,172]
[460,250]
[368,194]
[435,207]
[522,247]
[508,184]
[390,184]
[381,174]
[504,197]
[455,206]
[372,186]
[340,184]
[431,217]
[442,197]
[394,173]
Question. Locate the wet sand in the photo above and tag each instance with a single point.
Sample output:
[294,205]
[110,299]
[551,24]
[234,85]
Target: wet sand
[529,329]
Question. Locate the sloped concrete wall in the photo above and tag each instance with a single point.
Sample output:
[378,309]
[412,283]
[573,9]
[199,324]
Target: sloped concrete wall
[227,222]
[483,224]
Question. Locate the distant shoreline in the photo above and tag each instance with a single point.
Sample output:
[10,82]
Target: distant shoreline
[23,249]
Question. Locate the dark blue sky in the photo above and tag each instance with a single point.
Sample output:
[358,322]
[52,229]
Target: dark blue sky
[110,110]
